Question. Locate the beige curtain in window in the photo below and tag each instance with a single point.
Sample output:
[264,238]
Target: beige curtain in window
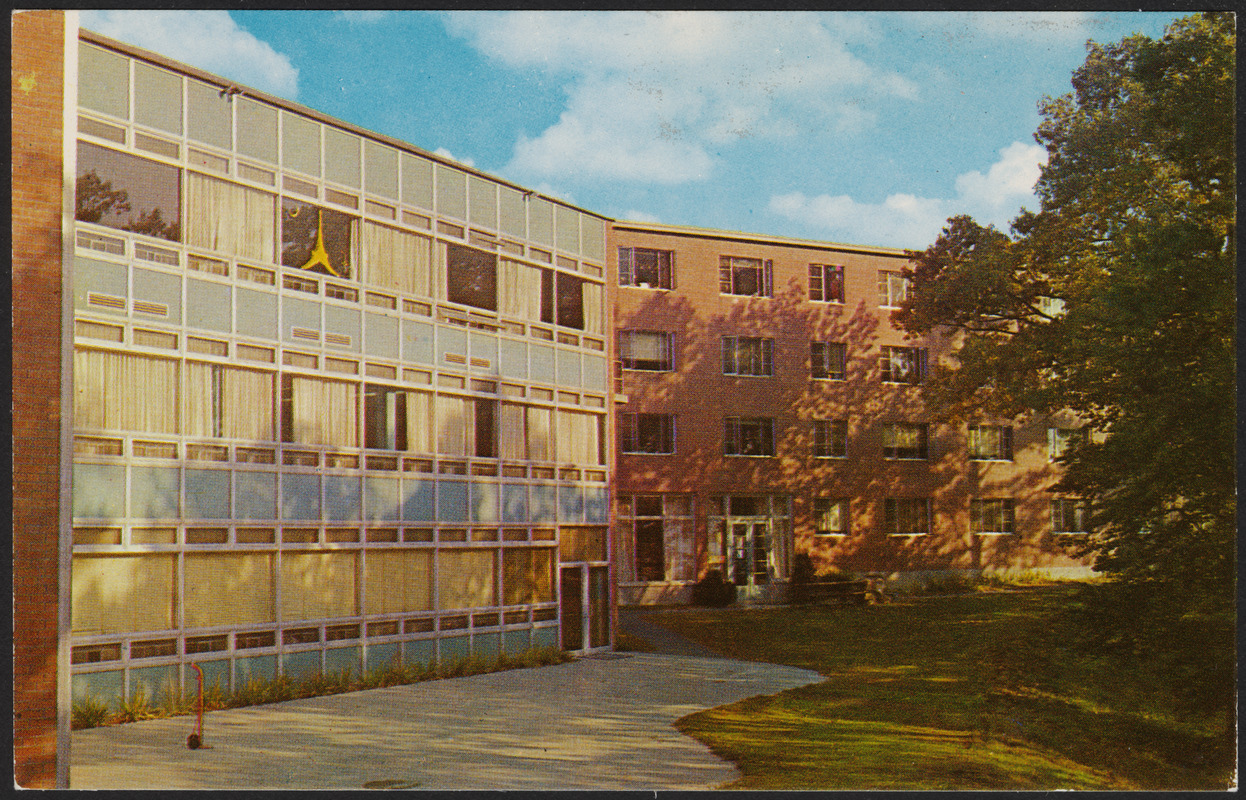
[249,405]
[396,581]
[420,422]
[118,391]
[577,437]
[122,594]
[513,444]
[237,402]
[519,291]
[231,219]
[396,259]
[594,314]
[465,578]
[244,579]
[326,412]
[318,585]
[540,433]
[456,426]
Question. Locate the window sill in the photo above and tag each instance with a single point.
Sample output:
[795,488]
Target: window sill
[646,287]
[643,453]
[923,533]
[831,534]
[748,455]
[827,378]
[993,533]
[831,458]
[985,460]
[744,375]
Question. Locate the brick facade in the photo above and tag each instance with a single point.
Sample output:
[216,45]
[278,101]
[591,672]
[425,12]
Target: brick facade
[38,86]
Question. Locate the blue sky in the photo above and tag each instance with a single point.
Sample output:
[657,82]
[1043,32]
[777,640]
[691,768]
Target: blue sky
[859,127]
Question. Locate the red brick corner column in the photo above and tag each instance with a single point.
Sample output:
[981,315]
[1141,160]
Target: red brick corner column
[40,389]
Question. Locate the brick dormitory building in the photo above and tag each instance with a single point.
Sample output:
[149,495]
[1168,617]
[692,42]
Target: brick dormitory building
[293,396]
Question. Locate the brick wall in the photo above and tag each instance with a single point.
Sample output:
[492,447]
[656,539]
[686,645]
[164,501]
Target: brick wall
[37,105]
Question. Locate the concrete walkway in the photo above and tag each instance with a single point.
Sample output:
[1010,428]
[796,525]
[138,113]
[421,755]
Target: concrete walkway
[600,722]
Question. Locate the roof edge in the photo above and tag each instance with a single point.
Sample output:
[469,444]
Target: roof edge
[85,34]
[760,238]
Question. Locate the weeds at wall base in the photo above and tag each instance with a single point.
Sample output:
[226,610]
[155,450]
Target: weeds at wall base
[91,712]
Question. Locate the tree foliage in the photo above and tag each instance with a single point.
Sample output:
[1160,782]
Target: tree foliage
[1116,301]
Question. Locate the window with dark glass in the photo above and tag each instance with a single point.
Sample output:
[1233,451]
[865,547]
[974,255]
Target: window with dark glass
[906,515]
[990,443]
[903,364]
[385,418]
[745,276]
[127,193]
[646,268]
[486,429]
[748,436]
[748,355]
[826,283]
[570,301]
[830,438]
[647,433]
[992,516]
[316,239]
[828,360]
[647,350]
[650,550]
[471,277]
[904,441]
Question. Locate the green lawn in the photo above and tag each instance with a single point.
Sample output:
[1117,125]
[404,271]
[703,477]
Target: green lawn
[972,691]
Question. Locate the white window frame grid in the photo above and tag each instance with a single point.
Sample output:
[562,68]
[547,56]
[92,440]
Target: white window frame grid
[627,267]
[828,361]
[977,436]
[893,288]
[629,433]
[818,277]
[1064,508]
[894,452]
[733,436]
[627,348]
[915,510]
[830,438]
[727,275]
[992,515]
[903,365]
[823,506]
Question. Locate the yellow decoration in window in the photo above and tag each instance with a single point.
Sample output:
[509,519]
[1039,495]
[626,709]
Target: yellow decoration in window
[319,255]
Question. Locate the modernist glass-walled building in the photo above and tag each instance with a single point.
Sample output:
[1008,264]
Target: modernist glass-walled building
[336,400]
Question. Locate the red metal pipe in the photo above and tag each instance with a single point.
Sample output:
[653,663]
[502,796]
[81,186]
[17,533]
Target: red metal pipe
[195,740]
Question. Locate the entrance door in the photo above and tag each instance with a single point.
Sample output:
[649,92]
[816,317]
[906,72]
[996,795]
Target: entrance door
[750,555]
[572,594]
[585,597]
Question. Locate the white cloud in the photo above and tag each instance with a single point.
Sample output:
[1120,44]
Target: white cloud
[210,40]
[633,215]
[1036,27]
[444,153]
[653,96]
[906,220]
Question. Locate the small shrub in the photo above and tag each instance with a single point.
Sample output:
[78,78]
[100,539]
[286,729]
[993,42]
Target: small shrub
[88,713]
[136,708]
[713,591]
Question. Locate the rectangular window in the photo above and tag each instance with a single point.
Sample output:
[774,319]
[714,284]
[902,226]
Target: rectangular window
[128,193]
[830,438]
[750,277]
[826,283]
[647,433]
[893,288]
[471,277]
[228,402]
[1068,516]
[830,516]
[1059,440]
[385,418]
[121,391]
[990,443]
[903,364]
[748,355]
[315,411]
[906,516]
[648,269]
[580,303]
[748,436]
[316,239]
[486,430]
[904,441]
[992,516]
[647,350]
[828,360]
[650,550]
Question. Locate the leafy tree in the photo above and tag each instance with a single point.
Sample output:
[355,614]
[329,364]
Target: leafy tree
[1116,300]
[95,199]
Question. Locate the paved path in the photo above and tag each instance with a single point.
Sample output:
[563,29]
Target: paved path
[632,620]
[596,723]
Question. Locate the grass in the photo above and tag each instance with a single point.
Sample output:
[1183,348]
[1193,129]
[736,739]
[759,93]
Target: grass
[965,691]
[92,712]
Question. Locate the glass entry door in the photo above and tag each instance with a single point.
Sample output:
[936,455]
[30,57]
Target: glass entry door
[750,555]
[585,598]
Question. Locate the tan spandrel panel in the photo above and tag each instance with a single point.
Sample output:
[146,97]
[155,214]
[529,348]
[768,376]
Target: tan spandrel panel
[315,585]
[123,594]
[228,589]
